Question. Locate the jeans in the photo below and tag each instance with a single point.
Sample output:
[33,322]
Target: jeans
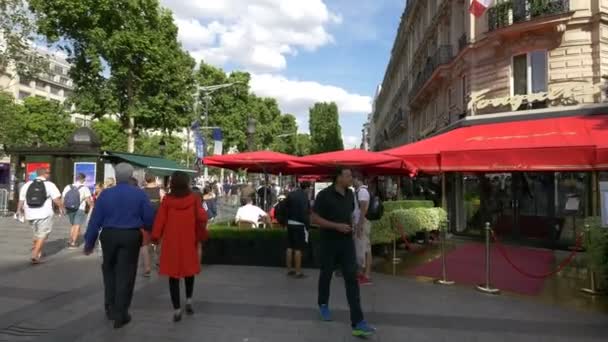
[120,258]
[340,252]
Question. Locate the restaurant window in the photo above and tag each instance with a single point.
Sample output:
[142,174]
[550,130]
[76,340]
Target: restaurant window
[529,75]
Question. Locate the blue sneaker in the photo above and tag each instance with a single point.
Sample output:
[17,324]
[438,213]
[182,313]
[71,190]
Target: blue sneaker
[325,313]
[363,330]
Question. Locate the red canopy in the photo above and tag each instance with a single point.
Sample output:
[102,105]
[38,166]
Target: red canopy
[259,161]
[365,161]
[556,144]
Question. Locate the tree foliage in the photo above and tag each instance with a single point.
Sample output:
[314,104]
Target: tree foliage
[325,130]
[17,34]
[150,145]
[35,121]
[110,132]
[287,139]
[126,60]
[303,145]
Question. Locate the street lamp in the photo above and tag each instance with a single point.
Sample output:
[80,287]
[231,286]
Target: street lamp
[251,123]
[162,146]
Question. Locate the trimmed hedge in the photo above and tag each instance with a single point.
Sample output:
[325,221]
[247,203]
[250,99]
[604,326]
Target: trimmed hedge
[382,230]
[260,247]
[597,249]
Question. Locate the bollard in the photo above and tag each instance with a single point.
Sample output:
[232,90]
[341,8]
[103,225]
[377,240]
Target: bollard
[592,289]
[487,288]
[444,275]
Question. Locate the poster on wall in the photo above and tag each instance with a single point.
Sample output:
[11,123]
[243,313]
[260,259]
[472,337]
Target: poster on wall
[30,169]
[89,170]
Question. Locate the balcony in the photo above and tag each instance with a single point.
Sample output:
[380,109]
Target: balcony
[442,56]
[462,42]
[517,11]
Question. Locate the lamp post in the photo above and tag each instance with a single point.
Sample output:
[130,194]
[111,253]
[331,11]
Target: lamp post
[251,123]
[162,146]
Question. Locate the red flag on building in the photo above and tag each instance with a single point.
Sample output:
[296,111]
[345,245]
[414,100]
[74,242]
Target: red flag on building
[479,7]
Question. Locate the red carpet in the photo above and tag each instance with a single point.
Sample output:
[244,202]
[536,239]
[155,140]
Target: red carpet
[466,265]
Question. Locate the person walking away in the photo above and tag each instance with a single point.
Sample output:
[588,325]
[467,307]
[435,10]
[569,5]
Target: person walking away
[210,204]
[180,225]
[333,213]
[76,197]
[362,232]
[36,199]
[298,223]
[120,213]
[155,195]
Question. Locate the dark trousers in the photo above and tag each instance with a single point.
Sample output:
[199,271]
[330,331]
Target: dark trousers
[340,252]
[174,290]
[120,257]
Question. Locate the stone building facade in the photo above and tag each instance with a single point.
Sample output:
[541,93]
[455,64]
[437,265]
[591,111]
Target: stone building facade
[521,55]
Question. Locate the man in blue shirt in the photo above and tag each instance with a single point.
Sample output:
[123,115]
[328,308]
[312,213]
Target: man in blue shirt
[120,212]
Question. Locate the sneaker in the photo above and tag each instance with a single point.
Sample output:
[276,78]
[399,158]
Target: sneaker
[325,313]
[363,280]
[291,273]
[189,310]
[363,330]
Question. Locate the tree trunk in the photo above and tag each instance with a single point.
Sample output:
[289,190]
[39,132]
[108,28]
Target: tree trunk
[131,135]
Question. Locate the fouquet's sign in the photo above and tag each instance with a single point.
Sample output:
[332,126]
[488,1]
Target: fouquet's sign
[479,101]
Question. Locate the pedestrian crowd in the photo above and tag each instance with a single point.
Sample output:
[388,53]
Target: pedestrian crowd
[168,230]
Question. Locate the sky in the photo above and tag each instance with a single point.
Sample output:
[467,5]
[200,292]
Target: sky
[298,52]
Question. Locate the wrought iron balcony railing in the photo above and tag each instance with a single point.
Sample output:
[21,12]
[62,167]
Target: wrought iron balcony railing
[443,55]
[506,13]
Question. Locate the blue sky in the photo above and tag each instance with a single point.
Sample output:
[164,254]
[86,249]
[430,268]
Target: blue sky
[298,52]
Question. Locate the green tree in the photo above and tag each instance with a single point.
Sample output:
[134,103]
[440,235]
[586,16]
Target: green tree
[110,132]
[36,121]
[149,144]
[303,145]
[325,130]
[126,61]
[287,138]
[17,32]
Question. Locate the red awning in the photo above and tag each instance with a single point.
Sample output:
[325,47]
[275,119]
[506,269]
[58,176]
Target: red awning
[257,162]
[556,144]
[364,161]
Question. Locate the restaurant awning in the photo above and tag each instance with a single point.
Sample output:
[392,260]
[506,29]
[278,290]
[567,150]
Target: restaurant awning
[550,144]
[256,162]
[156,165]
[361,160]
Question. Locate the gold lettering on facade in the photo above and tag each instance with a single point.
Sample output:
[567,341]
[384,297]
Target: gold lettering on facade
[478,100]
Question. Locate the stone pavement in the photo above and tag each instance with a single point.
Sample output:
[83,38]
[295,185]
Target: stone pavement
[61,300]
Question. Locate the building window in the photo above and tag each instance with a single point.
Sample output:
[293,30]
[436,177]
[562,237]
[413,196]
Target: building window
[40,85]
[23,95]
[55,90]
[25,81]
[58,70]
[464,93]
[529,74]
[63,80]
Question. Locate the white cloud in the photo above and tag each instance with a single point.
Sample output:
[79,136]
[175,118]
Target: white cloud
[351,141]
[297,97]
[256,34]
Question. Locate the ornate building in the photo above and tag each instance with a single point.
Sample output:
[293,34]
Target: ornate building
[521,56]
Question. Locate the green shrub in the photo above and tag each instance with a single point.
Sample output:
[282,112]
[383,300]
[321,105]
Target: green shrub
[383,230]
[596,245]
[232,233]
[419,219]
[390,206]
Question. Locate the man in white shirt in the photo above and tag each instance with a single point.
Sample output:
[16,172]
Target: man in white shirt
[251,214]
[36,203]
[76,211]
[362,231]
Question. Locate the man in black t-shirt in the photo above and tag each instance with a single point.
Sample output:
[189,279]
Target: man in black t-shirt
[298,222]
[333,213]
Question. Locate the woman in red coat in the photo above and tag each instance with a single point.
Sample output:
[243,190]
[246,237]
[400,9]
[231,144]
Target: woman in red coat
[180,225]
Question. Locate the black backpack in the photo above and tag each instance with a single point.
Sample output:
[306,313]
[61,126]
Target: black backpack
[280,212]
[375,209]
[36,194]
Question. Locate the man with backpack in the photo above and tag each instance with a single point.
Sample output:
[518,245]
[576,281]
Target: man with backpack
[36,200]
[367,208]
[75,199]
[294,212]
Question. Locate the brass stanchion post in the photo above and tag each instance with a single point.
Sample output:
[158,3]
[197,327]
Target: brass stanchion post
[395,259]
[592,289]
[487,288]
[444,275]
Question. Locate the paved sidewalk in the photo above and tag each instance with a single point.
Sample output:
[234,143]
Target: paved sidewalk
[61,300]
